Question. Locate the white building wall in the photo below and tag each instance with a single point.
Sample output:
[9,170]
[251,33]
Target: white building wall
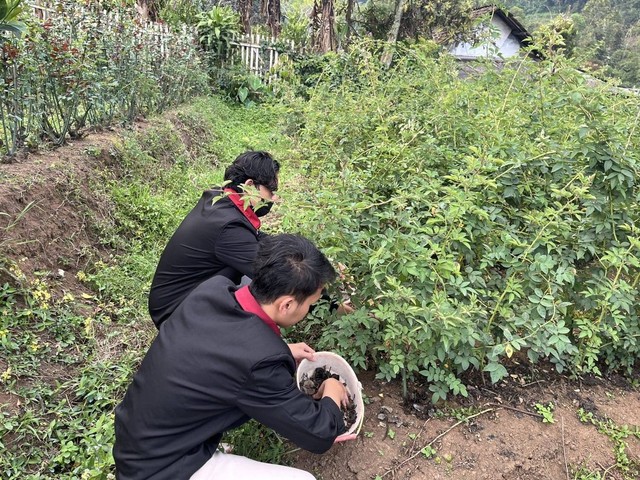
[497,42]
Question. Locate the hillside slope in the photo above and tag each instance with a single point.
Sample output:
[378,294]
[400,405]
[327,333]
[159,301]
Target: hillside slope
[68,352]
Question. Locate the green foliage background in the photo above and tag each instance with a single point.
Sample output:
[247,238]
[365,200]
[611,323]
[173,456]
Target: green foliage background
[83,68]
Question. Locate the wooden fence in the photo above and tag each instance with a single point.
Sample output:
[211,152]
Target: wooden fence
[258,53]
[152,33]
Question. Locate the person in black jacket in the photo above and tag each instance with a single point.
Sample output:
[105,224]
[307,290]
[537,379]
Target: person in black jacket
[220,360]
[219,236]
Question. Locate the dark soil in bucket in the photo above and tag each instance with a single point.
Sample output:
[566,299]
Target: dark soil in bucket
[311,384]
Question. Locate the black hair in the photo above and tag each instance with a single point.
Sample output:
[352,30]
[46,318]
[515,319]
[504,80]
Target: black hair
[289,265]
[260,167]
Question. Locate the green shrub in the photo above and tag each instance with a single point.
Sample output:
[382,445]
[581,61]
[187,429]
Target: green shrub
[478,217]
[80,69]
[216,28]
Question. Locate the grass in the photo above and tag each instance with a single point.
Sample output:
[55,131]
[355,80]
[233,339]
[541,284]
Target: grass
[67,358]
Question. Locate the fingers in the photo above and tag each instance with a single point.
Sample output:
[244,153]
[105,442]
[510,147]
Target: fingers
[319,393]
[308,351]
[335,390]
[302,351]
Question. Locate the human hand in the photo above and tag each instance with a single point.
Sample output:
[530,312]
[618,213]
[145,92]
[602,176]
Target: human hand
[345,308]
[335,390]
[302,350]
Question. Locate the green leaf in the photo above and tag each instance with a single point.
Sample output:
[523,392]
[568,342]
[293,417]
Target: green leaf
[243,93]
[496,370]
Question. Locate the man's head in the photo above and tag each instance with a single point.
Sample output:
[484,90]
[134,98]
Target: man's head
[258,170]
[260,167]
[289,275]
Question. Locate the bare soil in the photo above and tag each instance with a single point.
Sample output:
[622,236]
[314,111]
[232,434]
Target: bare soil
[49,216]
[505,439]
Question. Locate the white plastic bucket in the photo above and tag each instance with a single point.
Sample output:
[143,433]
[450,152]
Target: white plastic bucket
[336,364]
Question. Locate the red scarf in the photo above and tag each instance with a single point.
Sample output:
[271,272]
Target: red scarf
[251,305]
[248,212]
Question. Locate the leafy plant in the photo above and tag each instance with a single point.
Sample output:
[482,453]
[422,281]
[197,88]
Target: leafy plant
[216,28]
[629,467]
[428,451]
[474,232]
[80,68]
[251,90]
[546,411]
[10,10]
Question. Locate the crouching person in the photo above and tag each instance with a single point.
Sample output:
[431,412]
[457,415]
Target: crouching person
[221,361]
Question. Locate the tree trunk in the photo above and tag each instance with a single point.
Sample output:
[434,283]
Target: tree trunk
[348,20]
[148,10]
[271,12]
[387,56]
[326,36]
[274,17]
[244,6]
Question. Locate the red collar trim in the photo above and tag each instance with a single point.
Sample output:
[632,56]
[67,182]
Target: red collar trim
[250,304]
[237,200]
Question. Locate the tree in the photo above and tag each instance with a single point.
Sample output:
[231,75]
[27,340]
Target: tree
[387,56]
[271,12]
[556,36]
[149,10]
[611,29]
[441,20]
[323,24]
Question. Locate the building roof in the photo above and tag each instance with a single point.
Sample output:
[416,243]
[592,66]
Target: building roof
[517,29]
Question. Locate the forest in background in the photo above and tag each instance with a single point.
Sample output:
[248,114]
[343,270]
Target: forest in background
[602,33]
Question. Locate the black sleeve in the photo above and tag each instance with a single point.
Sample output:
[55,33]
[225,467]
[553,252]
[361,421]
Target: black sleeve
[237,247]
[333,303]
[271,397]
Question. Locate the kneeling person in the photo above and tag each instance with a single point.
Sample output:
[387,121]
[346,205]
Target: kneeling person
[221,361]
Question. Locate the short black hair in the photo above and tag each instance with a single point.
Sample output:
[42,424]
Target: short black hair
[258,166]
[289,264]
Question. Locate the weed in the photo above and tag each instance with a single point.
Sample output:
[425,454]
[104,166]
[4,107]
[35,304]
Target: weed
[428,451]
[629,468]
[93,151]
[462,413]
[584,473]
[546,411]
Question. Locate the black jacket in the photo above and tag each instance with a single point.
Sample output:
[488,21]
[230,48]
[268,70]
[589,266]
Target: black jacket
[215,238]
[211,368]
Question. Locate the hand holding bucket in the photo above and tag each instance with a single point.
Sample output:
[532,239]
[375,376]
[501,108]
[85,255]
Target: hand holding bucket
[338,365]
